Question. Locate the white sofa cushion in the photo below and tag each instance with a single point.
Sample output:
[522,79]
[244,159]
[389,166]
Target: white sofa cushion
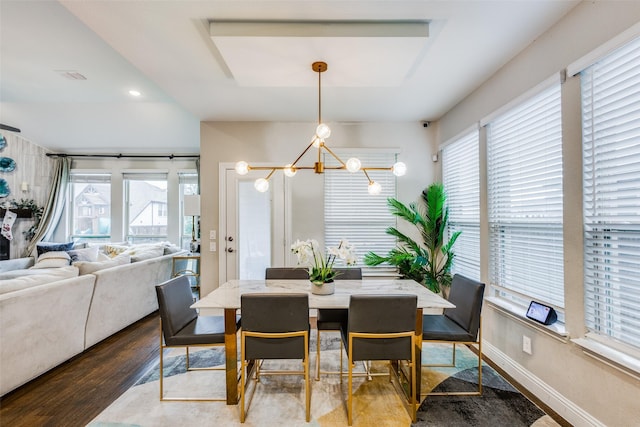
[88,267]
[24,282]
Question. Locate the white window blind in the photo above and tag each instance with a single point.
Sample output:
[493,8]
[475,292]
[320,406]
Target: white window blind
[611,167]
[461,179]
[351,213]
[524,155]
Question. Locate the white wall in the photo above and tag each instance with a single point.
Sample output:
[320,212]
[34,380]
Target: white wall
[606,394]
[281,143]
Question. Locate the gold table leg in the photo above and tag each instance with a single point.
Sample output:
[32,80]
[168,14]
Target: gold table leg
[231,355]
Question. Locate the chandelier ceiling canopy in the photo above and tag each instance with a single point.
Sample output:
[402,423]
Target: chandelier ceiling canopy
[323,132]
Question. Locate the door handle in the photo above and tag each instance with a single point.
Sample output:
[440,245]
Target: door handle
[229,249]
[230,239]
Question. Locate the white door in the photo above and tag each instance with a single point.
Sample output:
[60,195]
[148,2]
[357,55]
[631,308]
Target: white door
[254,227]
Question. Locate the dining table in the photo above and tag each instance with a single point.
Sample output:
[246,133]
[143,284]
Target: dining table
[227,297]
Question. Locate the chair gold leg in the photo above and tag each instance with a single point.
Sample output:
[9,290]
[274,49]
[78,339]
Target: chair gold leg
[307,390]
[161,363]
[318,356]
[243,370]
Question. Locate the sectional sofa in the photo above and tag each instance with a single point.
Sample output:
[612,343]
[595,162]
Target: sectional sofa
[48,317]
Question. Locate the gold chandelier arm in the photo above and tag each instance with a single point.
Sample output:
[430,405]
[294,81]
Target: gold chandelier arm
[335,156]
[271,173]
[303,153]
[367,175]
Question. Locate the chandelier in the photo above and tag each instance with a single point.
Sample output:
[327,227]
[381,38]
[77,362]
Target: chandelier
[323,132]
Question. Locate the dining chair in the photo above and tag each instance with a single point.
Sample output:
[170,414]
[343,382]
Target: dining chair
[459,325]
[328,319]
[181,326]
[274,326]
[381,327]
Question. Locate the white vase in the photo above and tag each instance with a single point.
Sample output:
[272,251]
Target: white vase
[326,288]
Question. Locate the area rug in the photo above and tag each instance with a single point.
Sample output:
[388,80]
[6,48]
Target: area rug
[279,400]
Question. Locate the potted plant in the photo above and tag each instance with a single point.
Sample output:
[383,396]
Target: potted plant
[321,272]
[430,262]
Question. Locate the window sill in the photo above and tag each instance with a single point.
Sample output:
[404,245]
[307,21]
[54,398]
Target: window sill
[557,330]
[623,362]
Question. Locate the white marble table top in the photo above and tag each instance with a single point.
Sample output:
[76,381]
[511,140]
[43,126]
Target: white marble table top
[228,294]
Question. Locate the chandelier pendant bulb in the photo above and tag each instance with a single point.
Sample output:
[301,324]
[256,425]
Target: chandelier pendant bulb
[323,131]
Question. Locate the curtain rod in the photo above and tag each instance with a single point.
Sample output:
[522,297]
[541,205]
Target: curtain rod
[129,156]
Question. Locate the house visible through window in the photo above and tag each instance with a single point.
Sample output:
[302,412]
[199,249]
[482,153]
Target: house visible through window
[146,207]
[90,207]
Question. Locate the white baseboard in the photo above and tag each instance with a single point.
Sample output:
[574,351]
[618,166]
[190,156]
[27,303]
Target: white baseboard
[551,397]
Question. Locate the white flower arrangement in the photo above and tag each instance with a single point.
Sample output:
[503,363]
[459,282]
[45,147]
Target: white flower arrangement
[320,266]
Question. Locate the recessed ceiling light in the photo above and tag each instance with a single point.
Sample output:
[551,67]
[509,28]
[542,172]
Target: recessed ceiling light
[134,92]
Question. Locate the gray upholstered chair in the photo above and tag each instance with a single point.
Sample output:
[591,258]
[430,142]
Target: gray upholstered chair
[180,326]
[330,319]
[274,326]
[381,327]
[459,325]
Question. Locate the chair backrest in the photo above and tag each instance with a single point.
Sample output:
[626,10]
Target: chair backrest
[382,314]
[274,313]
[174,303]
[349,273]
[286,273]
[302,273]
[467,295]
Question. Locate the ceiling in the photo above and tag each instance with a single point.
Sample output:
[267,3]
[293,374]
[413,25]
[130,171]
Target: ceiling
[189,69]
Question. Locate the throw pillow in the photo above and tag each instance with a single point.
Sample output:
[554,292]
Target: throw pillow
[53,259]
[114,250]
[44,247]
[86,254]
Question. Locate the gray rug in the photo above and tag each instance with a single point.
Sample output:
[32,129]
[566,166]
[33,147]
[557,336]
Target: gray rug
[279,401]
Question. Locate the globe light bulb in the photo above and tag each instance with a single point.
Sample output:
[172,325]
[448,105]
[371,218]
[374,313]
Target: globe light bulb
[353,165]
[289,170]
[261,184]
[242,167]
[323,131]
[399,169]
[374,188]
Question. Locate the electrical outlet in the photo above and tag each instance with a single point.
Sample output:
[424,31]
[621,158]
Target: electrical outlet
[526,344]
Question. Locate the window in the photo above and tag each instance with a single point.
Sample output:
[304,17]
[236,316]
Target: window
[525,208]
[188,186]
[351,213]
[461,179]
[611,168]
[146,207]
[90,207]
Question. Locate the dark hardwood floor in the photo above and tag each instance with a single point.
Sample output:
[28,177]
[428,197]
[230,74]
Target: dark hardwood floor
[77,391]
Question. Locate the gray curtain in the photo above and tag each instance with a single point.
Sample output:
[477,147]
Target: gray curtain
[55,204]
[198,172]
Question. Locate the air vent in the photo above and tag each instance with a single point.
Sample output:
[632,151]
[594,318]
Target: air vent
[71,74]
